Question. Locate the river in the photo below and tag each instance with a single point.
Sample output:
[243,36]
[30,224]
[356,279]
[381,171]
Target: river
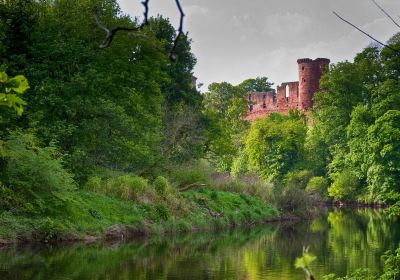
[342,241]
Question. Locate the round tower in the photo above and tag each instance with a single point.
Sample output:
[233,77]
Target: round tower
[310,72]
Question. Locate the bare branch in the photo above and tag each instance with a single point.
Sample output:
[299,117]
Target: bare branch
[110,33]
[96,16]
[172,55]
[386,13]
[365,33]
[145,3]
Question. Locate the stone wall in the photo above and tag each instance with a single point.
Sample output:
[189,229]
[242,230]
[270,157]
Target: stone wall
[292,95]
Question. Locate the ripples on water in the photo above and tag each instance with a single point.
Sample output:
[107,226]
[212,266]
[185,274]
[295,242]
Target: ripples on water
[342,240]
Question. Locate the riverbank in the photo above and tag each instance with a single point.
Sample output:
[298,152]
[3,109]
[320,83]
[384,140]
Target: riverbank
[91,216]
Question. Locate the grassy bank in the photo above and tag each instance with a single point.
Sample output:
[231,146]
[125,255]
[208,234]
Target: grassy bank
[95,215]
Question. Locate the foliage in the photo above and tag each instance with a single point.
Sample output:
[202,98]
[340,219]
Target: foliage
[199,172]
[105,109]
[318,185]
[344,186]
[356,128]
[161,184]
[384,171]
[34,175]
[275,145]
[305,260]
[94,184]
[291,200]
[11,89]
[246,184]
[240,164]
[224,110]
[391,269]
[391,265]
[259,84]
[298,179]
[126,187]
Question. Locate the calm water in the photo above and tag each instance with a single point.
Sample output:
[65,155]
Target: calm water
[342,241]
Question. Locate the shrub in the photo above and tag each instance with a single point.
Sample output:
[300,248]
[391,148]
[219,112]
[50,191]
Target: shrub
[290,199]
[126,186]
[36,174]
[249,184]
[298,179]
[239,164]
[161,184]
[9,199]
[344,186]
[391,265]
[196,173]
[318,185]
[162,212]
[48,229]
[94,184]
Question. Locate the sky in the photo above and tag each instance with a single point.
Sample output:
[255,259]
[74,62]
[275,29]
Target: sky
[234,40]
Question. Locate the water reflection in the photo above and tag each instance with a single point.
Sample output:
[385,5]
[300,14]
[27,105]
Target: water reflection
[342,241]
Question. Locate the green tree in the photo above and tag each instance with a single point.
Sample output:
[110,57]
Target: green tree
[103,108]
[259,84]
[275,145]
[357,158]
[183,127]
[384,171]
[225,109]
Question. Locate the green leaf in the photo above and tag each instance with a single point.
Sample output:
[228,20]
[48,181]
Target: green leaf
[305,260]
[19,84]
[3,77]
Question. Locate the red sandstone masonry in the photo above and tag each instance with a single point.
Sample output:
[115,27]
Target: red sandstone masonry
[292,95]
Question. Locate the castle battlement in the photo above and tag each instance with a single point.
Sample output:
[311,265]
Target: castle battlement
[290,95]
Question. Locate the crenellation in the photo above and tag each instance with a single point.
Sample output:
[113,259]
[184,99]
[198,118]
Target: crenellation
[290,95]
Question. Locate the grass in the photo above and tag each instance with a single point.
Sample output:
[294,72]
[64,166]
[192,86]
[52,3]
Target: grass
[93,214]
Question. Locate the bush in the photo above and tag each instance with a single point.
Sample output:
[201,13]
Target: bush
[162,212]
[298,179]
[344,186]
[49,229]
[161,184]
[199,172]
[318,185]
[126,186]
[248,184]
[239,164]
[290,199]
[94,184]
[391,265]
[35,174]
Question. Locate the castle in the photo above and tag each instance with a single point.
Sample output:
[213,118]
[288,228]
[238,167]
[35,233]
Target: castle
[291,95]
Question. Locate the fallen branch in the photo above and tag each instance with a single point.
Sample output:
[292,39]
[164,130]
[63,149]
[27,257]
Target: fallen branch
[194,185]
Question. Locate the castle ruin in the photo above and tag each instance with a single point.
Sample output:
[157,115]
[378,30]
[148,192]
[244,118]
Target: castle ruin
[291,95]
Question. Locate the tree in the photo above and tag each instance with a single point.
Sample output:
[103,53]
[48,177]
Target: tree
[225,109]
[103,108]
[259,84]
[384,171]
[275,145]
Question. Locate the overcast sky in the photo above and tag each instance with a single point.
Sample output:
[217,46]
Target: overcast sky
[238,39]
